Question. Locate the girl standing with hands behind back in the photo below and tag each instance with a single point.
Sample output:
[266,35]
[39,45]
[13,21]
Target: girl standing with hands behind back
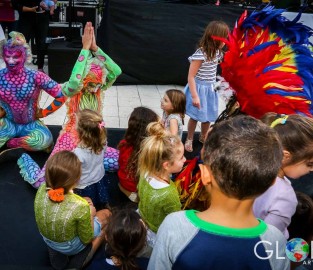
[201,99]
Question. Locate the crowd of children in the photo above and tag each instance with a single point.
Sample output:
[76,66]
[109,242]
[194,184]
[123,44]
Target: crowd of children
[246,166]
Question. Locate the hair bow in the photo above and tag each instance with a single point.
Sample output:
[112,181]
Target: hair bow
[101,125]
[56,195]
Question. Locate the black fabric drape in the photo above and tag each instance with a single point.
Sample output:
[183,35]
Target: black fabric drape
[151,41]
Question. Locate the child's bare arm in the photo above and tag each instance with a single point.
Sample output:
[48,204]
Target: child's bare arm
[193,69]
[174,126]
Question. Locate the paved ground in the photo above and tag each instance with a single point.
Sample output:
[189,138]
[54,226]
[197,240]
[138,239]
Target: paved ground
[119,101]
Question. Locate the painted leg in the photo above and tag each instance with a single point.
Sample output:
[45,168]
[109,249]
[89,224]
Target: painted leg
[30,170]
[110,159]
[7,130]
[34,136]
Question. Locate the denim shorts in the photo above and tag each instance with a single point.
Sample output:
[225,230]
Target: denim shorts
[75,245]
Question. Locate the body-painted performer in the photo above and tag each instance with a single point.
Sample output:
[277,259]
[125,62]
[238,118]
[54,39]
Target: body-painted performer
[20,89]
[93,73]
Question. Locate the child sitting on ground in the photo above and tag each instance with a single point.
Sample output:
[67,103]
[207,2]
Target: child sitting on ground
[162,154]
[67,222]
[92,145]
[241,159]
[278,204]
[125,237]
[129,150]
[173,105]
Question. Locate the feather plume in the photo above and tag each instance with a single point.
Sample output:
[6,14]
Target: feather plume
[269,64]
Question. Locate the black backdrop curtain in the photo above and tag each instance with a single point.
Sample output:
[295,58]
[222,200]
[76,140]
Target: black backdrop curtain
[151,41]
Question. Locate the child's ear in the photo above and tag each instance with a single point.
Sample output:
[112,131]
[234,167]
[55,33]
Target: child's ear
[206,175]
[286,157]
[166,165]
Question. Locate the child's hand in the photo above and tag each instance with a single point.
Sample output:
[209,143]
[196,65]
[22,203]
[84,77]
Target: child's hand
[196,102]
[87,36]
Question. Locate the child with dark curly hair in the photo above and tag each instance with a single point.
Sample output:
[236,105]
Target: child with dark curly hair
[129,148]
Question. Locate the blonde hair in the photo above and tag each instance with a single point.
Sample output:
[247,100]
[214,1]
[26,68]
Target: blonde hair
[159,147]
[209,45]
[63,170]
[91,131]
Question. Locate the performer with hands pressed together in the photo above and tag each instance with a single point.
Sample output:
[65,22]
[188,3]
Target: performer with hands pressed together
[93,73]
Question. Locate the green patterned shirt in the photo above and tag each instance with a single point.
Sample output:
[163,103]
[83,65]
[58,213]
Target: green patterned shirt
[156,204]
[63,221]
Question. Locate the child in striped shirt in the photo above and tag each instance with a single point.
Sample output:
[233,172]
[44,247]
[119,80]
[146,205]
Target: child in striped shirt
[201,99]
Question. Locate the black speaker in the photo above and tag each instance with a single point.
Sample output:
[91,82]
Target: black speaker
[57,29]
[83,14]
[61,59]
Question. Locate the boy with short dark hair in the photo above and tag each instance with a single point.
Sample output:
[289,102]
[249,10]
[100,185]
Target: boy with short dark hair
[241,158]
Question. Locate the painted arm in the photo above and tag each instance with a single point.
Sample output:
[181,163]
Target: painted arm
[71,87]
[113,69]
[54,90]
[58,101]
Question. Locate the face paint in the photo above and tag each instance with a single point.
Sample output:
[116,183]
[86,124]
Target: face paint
[93,87]
[14,59]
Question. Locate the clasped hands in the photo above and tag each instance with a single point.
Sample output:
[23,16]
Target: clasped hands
[88,38]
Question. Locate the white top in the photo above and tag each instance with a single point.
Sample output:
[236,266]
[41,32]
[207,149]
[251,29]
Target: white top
[156,184]
[207,71]
[92,166]
[167,119]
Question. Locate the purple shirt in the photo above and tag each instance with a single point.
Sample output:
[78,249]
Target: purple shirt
[277,205]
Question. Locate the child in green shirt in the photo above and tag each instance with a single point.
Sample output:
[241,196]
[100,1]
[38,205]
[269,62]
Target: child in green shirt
[66,221]
[162,154]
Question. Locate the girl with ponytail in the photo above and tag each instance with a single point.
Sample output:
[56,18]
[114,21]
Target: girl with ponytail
[68,223]
[161,155]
